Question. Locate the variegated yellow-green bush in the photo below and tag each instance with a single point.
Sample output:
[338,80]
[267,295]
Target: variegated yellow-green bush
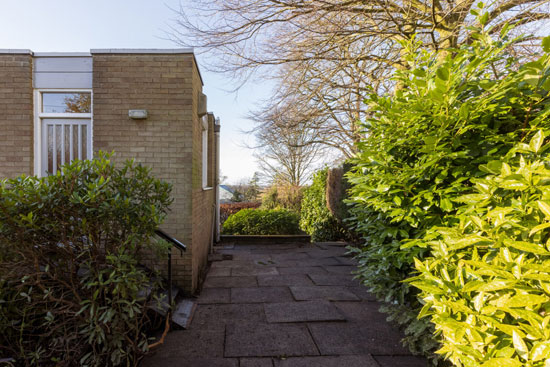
[486,285]
[456,112]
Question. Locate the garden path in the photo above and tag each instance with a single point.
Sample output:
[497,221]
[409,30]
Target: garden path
[284,306]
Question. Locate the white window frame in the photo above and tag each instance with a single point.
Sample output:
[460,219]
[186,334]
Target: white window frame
[204,123]
[39,116]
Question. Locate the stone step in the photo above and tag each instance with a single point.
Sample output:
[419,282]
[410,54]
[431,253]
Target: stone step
[183,312]
[162,305]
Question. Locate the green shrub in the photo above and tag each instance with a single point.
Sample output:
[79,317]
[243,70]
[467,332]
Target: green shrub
[262,222]
[453,112]
[70,244]
[315,218]
[487,284]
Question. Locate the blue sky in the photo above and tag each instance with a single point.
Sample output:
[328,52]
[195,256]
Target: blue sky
[81,25]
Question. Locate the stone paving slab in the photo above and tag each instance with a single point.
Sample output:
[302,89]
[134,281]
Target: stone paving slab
[254,270]
[270,340]
[215,317]
[216,271]
[401,361]
[247,256]
[229,264]
[330,293]
[341,269]
[190,362]
[334,279]
[362,293]
[230,282]
[291,256]
[302,270]
[268,249]
[191,344]
[330,252]
[214,295]
[340,361]
[302,312]
[284,280]
[331,243]
[338,338]
[308,262]
[346,261]
[256,362]
[364,311]
[260,295]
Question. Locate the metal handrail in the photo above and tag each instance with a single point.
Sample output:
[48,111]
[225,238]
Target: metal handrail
[171,239]
[180,246]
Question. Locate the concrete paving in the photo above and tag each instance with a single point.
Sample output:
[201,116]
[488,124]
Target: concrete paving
[285,306]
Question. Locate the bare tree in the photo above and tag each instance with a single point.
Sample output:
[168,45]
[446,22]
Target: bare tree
[327,54]
[252,33]
[286,153]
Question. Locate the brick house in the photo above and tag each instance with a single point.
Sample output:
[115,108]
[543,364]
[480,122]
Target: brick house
[142,104]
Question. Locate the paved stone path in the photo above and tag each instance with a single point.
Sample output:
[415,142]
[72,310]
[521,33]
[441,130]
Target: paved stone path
[284,306]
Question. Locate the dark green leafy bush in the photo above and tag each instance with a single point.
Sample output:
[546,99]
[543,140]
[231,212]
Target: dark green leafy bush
[453,113]
[315,218]
[486,286]
[69,250]
[262,222]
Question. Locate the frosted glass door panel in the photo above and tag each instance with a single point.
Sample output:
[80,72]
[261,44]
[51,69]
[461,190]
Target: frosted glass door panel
[64,140]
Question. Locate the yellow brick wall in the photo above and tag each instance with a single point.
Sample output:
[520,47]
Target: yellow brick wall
[203,200]
[169,140]
[16,115]
[164,86]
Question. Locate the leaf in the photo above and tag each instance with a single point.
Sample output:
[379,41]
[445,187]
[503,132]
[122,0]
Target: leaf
[536,141]
[538,228]
[540,351]
[520,346]
[443,73]
[544,207]
[496,285]
[446,205]
[484,18]
[524,300]
[468,241]
[513,185]
[502,362]
[397,200]
[427,287]
[505,170]
[546,44]
[527,247]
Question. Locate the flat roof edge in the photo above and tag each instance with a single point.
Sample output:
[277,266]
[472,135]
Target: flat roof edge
[62,54]
[15,51]
[142,51]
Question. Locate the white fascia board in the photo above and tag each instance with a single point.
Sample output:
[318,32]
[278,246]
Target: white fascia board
[15,51]
[142,51]
[62,54]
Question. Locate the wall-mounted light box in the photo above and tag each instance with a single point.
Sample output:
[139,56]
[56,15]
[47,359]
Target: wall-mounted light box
[137,114]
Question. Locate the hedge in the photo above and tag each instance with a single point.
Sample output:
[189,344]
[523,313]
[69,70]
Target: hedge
[452,114]
[262,222]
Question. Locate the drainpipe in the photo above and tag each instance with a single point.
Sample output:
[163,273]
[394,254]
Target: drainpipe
[217,180]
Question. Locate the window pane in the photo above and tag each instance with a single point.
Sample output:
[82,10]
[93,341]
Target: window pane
[57,153]
[66,102]
[85,142]
[50,148]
